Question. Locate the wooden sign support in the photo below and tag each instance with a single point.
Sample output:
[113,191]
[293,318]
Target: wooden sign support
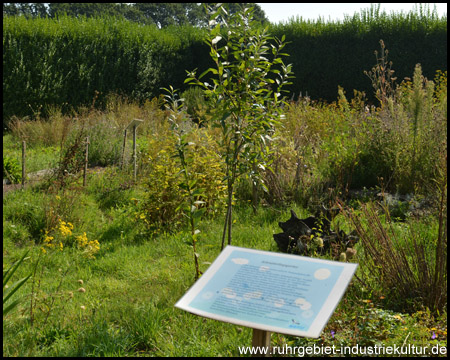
[261,339]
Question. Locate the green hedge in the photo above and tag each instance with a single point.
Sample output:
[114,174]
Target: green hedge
[66,61]
[69,62]
[325,55]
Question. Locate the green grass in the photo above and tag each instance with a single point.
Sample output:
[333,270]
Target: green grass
[140,271]
[134,281]
[38,157]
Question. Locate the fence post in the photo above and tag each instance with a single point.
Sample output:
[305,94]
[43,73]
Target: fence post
[133,124]
[134,152]
[86,160]
[24,147]
[123,149]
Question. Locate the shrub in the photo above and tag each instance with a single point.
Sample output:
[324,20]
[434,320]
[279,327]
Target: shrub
[163,195]
[63,61]
[68,62]
[12,169]
[319,48]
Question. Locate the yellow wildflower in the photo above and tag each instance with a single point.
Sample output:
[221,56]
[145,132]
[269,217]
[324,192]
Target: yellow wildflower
[90,247]
[65,228]
[82,240]
[48,241]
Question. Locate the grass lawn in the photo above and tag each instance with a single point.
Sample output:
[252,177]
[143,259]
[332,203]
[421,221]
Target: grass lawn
[121,302]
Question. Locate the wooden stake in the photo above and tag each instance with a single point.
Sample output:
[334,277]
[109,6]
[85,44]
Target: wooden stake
[261,338]
[24,147]
[134,152]
[134,124]
[86,161]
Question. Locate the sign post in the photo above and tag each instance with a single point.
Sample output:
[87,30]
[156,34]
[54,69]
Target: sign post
[261,339]
[269,292]
[132,125]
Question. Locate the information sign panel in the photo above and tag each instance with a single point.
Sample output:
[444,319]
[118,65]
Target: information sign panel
[134,123]
[270,291]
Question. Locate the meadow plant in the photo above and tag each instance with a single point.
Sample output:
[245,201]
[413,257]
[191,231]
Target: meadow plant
[382,77]
[12,169]
[61,235]
[348,145]
[8,291]
[412,134]
[48,131]
[192,192]
[398,145]
[60,238]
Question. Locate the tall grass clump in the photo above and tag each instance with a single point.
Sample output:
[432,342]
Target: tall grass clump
[42,132]
[408,267]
